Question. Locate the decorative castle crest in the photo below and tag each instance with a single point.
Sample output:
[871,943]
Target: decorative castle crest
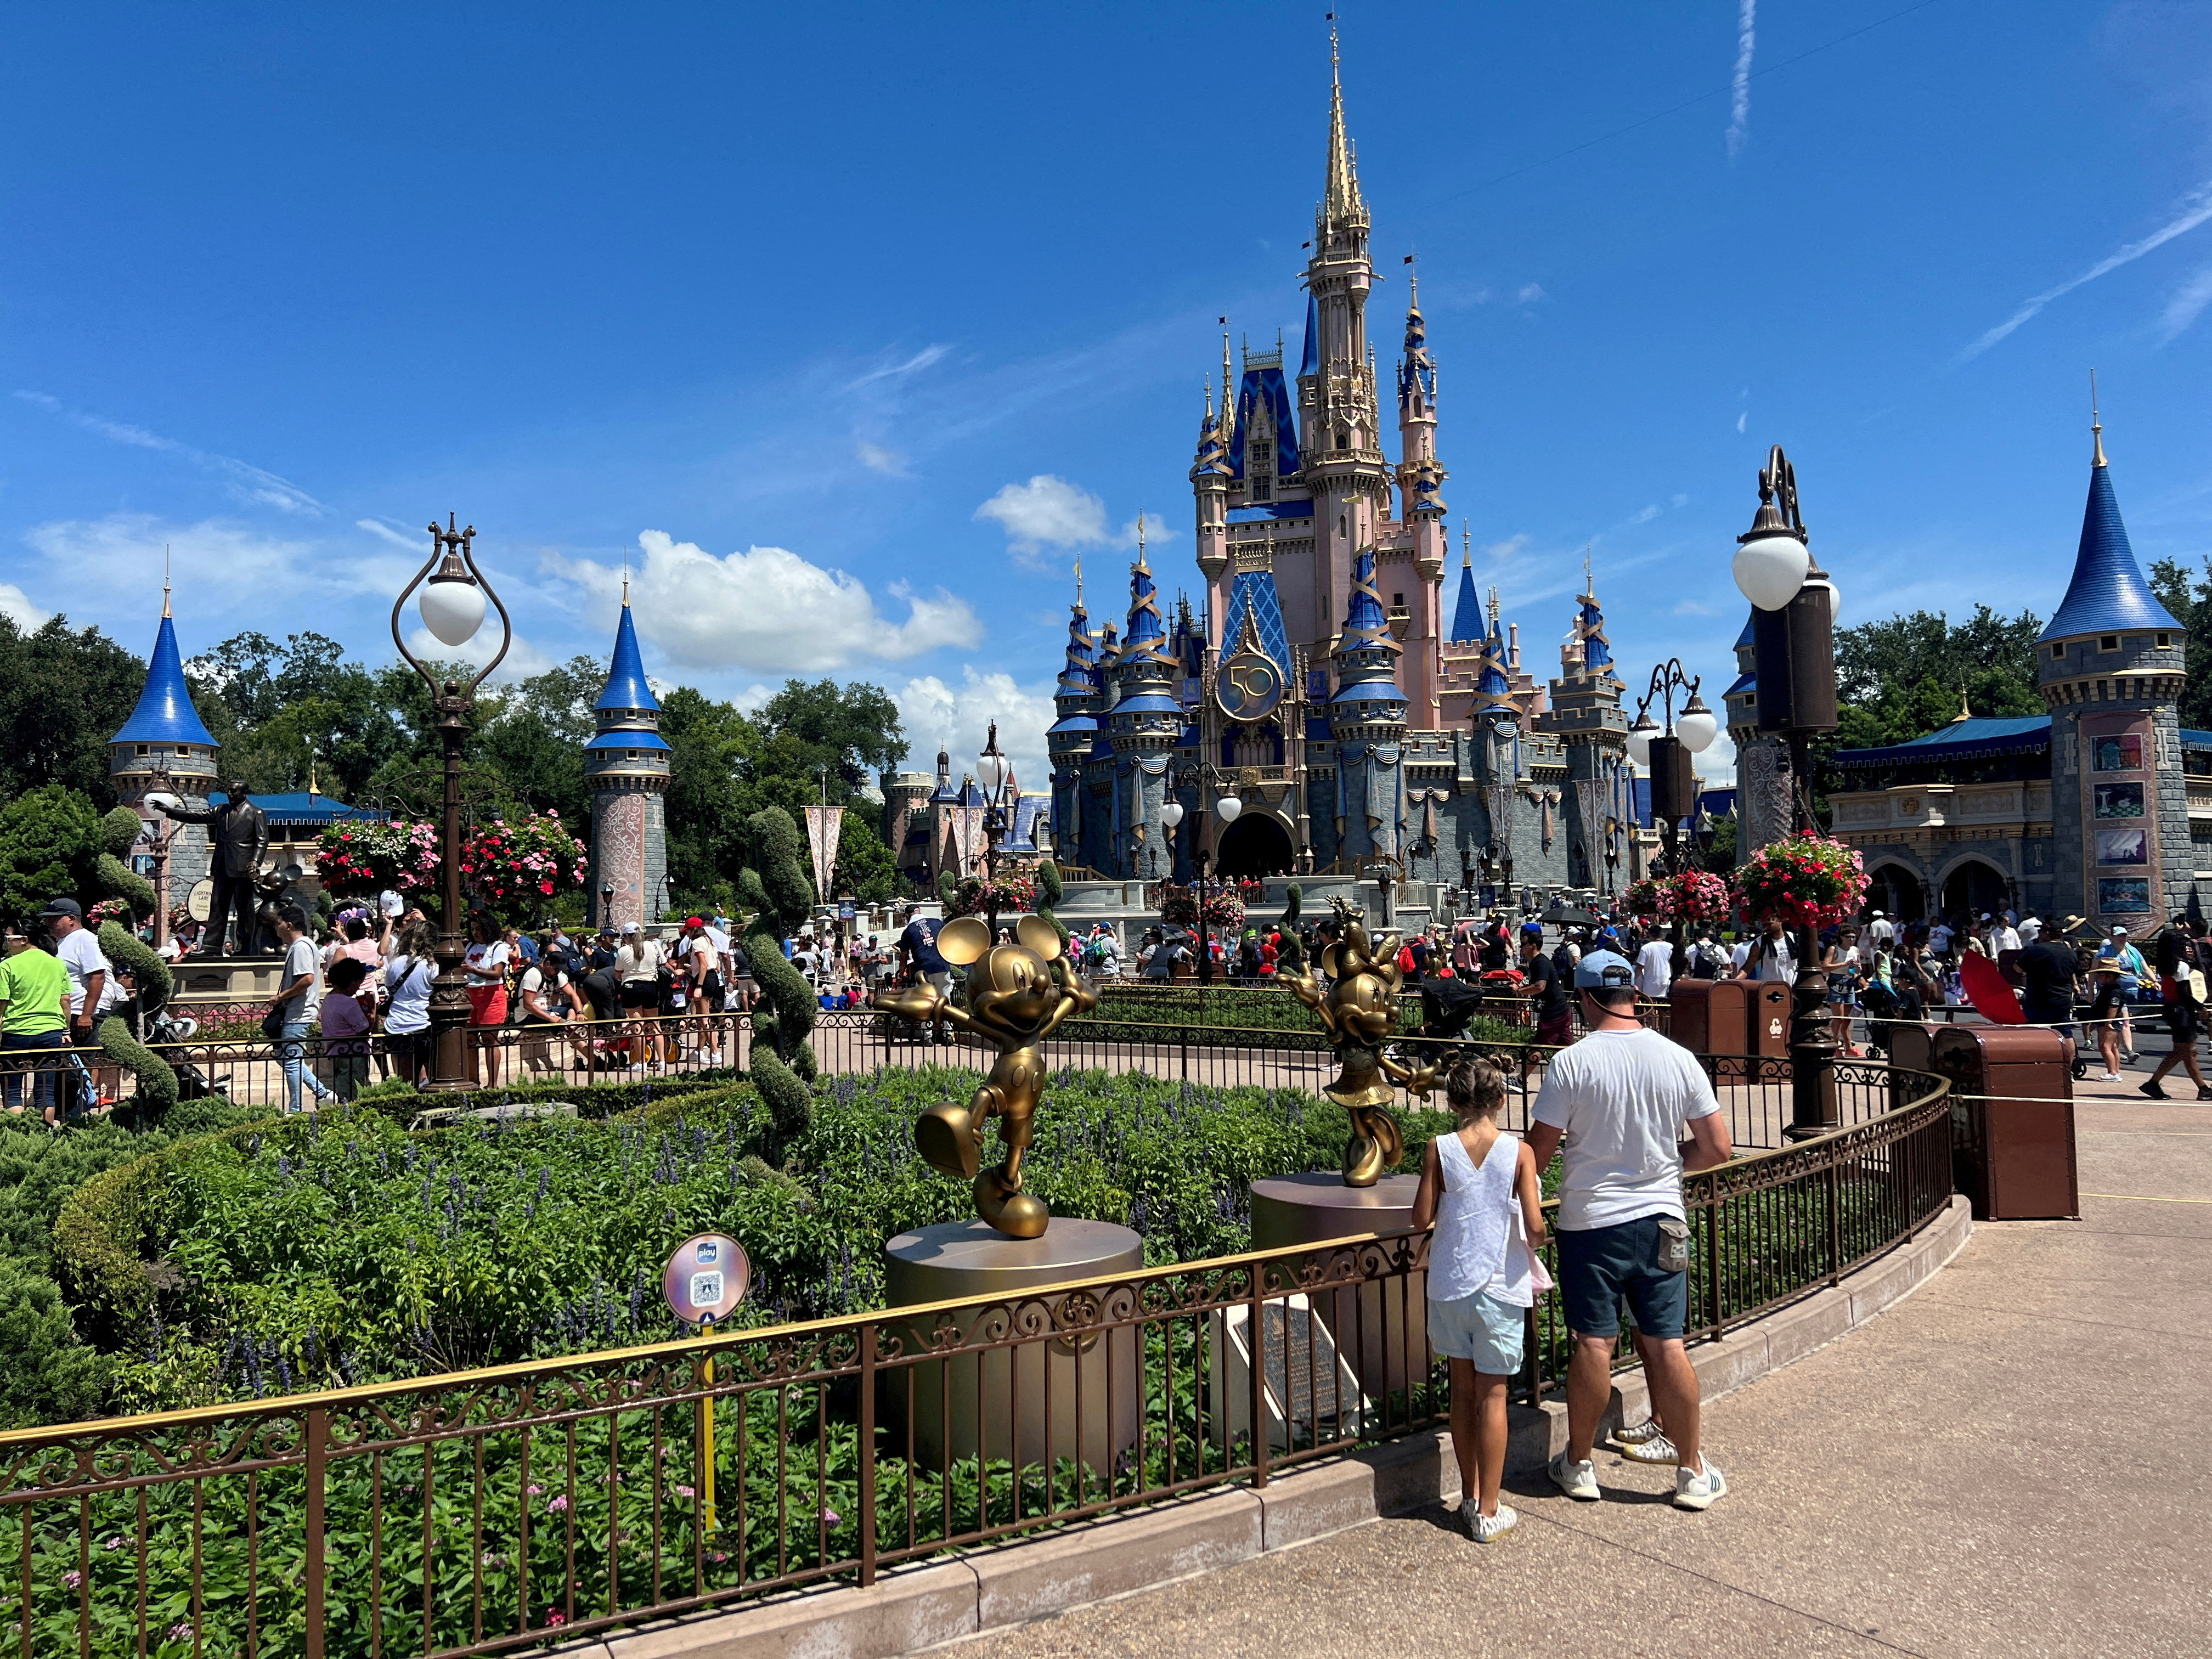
[1250,682]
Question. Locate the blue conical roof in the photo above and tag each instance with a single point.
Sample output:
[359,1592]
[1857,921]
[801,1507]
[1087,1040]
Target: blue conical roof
[1467,613]
[2108,592]
[1362,612]
[1146,629]
[165,712]
[1309,360]
[626,682]
[1596,654]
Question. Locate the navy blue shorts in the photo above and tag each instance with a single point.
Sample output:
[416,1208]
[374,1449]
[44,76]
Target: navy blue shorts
[1598,1266]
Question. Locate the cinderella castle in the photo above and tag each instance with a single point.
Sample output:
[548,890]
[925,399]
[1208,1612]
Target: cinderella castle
[1320,682]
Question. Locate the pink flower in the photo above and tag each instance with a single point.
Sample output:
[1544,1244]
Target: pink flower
[73,1578]
[555,1617]
[685,1491]
[560,1503]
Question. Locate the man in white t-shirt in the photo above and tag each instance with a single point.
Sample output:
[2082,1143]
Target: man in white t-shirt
[1939,937]
[91,990]
[1880,930]
[299,994]
[1618,1104]
[1767,955]
[1655,970]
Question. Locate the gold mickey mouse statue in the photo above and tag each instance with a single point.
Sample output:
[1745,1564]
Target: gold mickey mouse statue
[1017,995]
[1360,1013]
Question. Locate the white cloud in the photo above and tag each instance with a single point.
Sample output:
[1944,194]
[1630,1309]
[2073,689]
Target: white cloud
[15,606]
[1527,292]
[1741,418]
[219,561]
[957,718]
[2196,208]
[889,462]
[1680,498]
[2187,304]
[768,610]
[1692,608]
[1739,124]
[384,531]
[914,365]
[1645,515]
[246,484]
[1509,547]
[1047,512]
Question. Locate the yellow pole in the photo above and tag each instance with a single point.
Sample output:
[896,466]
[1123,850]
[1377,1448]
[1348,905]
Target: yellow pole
[706,1437]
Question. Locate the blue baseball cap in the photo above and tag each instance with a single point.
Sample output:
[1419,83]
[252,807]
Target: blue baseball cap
[1602,970]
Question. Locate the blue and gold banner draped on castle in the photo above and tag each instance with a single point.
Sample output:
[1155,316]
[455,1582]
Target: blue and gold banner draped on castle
[1319,677]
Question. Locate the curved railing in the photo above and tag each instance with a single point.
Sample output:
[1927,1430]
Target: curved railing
[487,1511]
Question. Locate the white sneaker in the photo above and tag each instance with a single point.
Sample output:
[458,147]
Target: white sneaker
[1489,1528]
[1578,1480]
[1698,1492]
[2110,1076]
[1635,1434]
[1651,1447]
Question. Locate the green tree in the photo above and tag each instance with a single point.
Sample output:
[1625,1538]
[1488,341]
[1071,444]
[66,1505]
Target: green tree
[776,890]
[2189,596]
[865,870]
[50,838]
[851,731]
[64,693]
[1902,676]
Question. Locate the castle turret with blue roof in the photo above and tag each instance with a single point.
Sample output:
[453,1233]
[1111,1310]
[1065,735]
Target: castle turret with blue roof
[2111,667]
[1144,724]
[626,768]
[1585,714]
[165,745]
[1367,719]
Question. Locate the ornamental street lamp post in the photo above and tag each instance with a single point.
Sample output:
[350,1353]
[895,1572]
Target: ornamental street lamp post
[1667,752]
[1793,633]
[452,607]
[1226,807]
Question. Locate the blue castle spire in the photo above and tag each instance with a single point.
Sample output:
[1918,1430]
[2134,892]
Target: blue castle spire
[2108,593]
[1467,613]
[627,687]
[165,712]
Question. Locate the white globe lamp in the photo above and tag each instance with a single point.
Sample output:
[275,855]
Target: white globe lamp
[1640,739]
[1770,568]
[1229,807]
[453,605]
[1697,728]
[1171,814]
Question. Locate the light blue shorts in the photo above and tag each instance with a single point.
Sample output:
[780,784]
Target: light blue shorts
[1481,1328]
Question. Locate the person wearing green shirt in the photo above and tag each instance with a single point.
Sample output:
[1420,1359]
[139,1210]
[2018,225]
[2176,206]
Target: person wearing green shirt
[33,995]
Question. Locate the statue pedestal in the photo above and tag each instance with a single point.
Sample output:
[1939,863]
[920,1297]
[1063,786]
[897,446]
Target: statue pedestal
[1075,1396]
[1380,1328]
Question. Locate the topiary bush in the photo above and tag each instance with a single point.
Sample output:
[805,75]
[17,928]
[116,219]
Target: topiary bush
[775,889]
[119,833]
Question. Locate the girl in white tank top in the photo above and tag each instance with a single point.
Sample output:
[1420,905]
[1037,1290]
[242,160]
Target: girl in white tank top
[1479,1191]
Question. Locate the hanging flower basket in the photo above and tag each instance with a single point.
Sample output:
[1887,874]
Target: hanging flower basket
[1701,895]
[1806,880]
[359,857]
[1010,896]
[525,864]
[1648,897]
[1223,911]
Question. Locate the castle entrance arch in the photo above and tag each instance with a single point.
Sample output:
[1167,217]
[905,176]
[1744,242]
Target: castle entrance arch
[1895,891]
[1255,845]
[1973,887]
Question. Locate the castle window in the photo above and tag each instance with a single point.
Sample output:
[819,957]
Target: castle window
[2165,640]
[2109,642]
[142,748]
[629,754]
[2058,653]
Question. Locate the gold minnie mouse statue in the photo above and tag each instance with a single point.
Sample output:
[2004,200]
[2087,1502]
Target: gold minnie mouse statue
[1017,995]
[1359,1013]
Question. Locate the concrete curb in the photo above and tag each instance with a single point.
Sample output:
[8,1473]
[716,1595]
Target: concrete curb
[931,1602]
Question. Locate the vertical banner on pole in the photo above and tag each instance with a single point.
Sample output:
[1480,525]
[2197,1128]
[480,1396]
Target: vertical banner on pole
[823,825]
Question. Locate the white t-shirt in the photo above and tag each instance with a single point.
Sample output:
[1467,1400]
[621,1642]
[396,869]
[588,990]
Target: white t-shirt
[1622,1097]
[1655,968]
[1780,962]
[2003,939]
[486,964]
[408,982]
[82,956]
[301,959]
[534,978]
[1939,938]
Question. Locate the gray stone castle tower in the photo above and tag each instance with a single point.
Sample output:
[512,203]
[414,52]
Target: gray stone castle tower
[626,768]
[166,746]
[2111,664]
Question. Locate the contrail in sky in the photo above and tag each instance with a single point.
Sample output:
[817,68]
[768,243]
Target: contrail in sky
[1740,88]
[2196,208]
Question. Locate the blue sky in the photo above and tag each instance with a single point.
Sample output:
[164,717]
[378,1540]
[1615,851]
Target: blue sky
[789,308]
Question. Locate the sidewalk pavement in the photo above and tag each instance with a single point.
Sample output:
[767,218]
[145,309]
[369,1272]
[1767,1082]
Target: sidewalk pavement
[2012,1461]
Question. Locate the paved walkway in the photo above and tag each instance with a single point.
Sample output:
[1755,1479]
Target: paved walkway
[2011,1462]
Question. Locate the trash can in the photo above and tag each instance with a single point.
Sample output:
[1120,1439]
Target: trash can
[2012,1119]
[1711,1017]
